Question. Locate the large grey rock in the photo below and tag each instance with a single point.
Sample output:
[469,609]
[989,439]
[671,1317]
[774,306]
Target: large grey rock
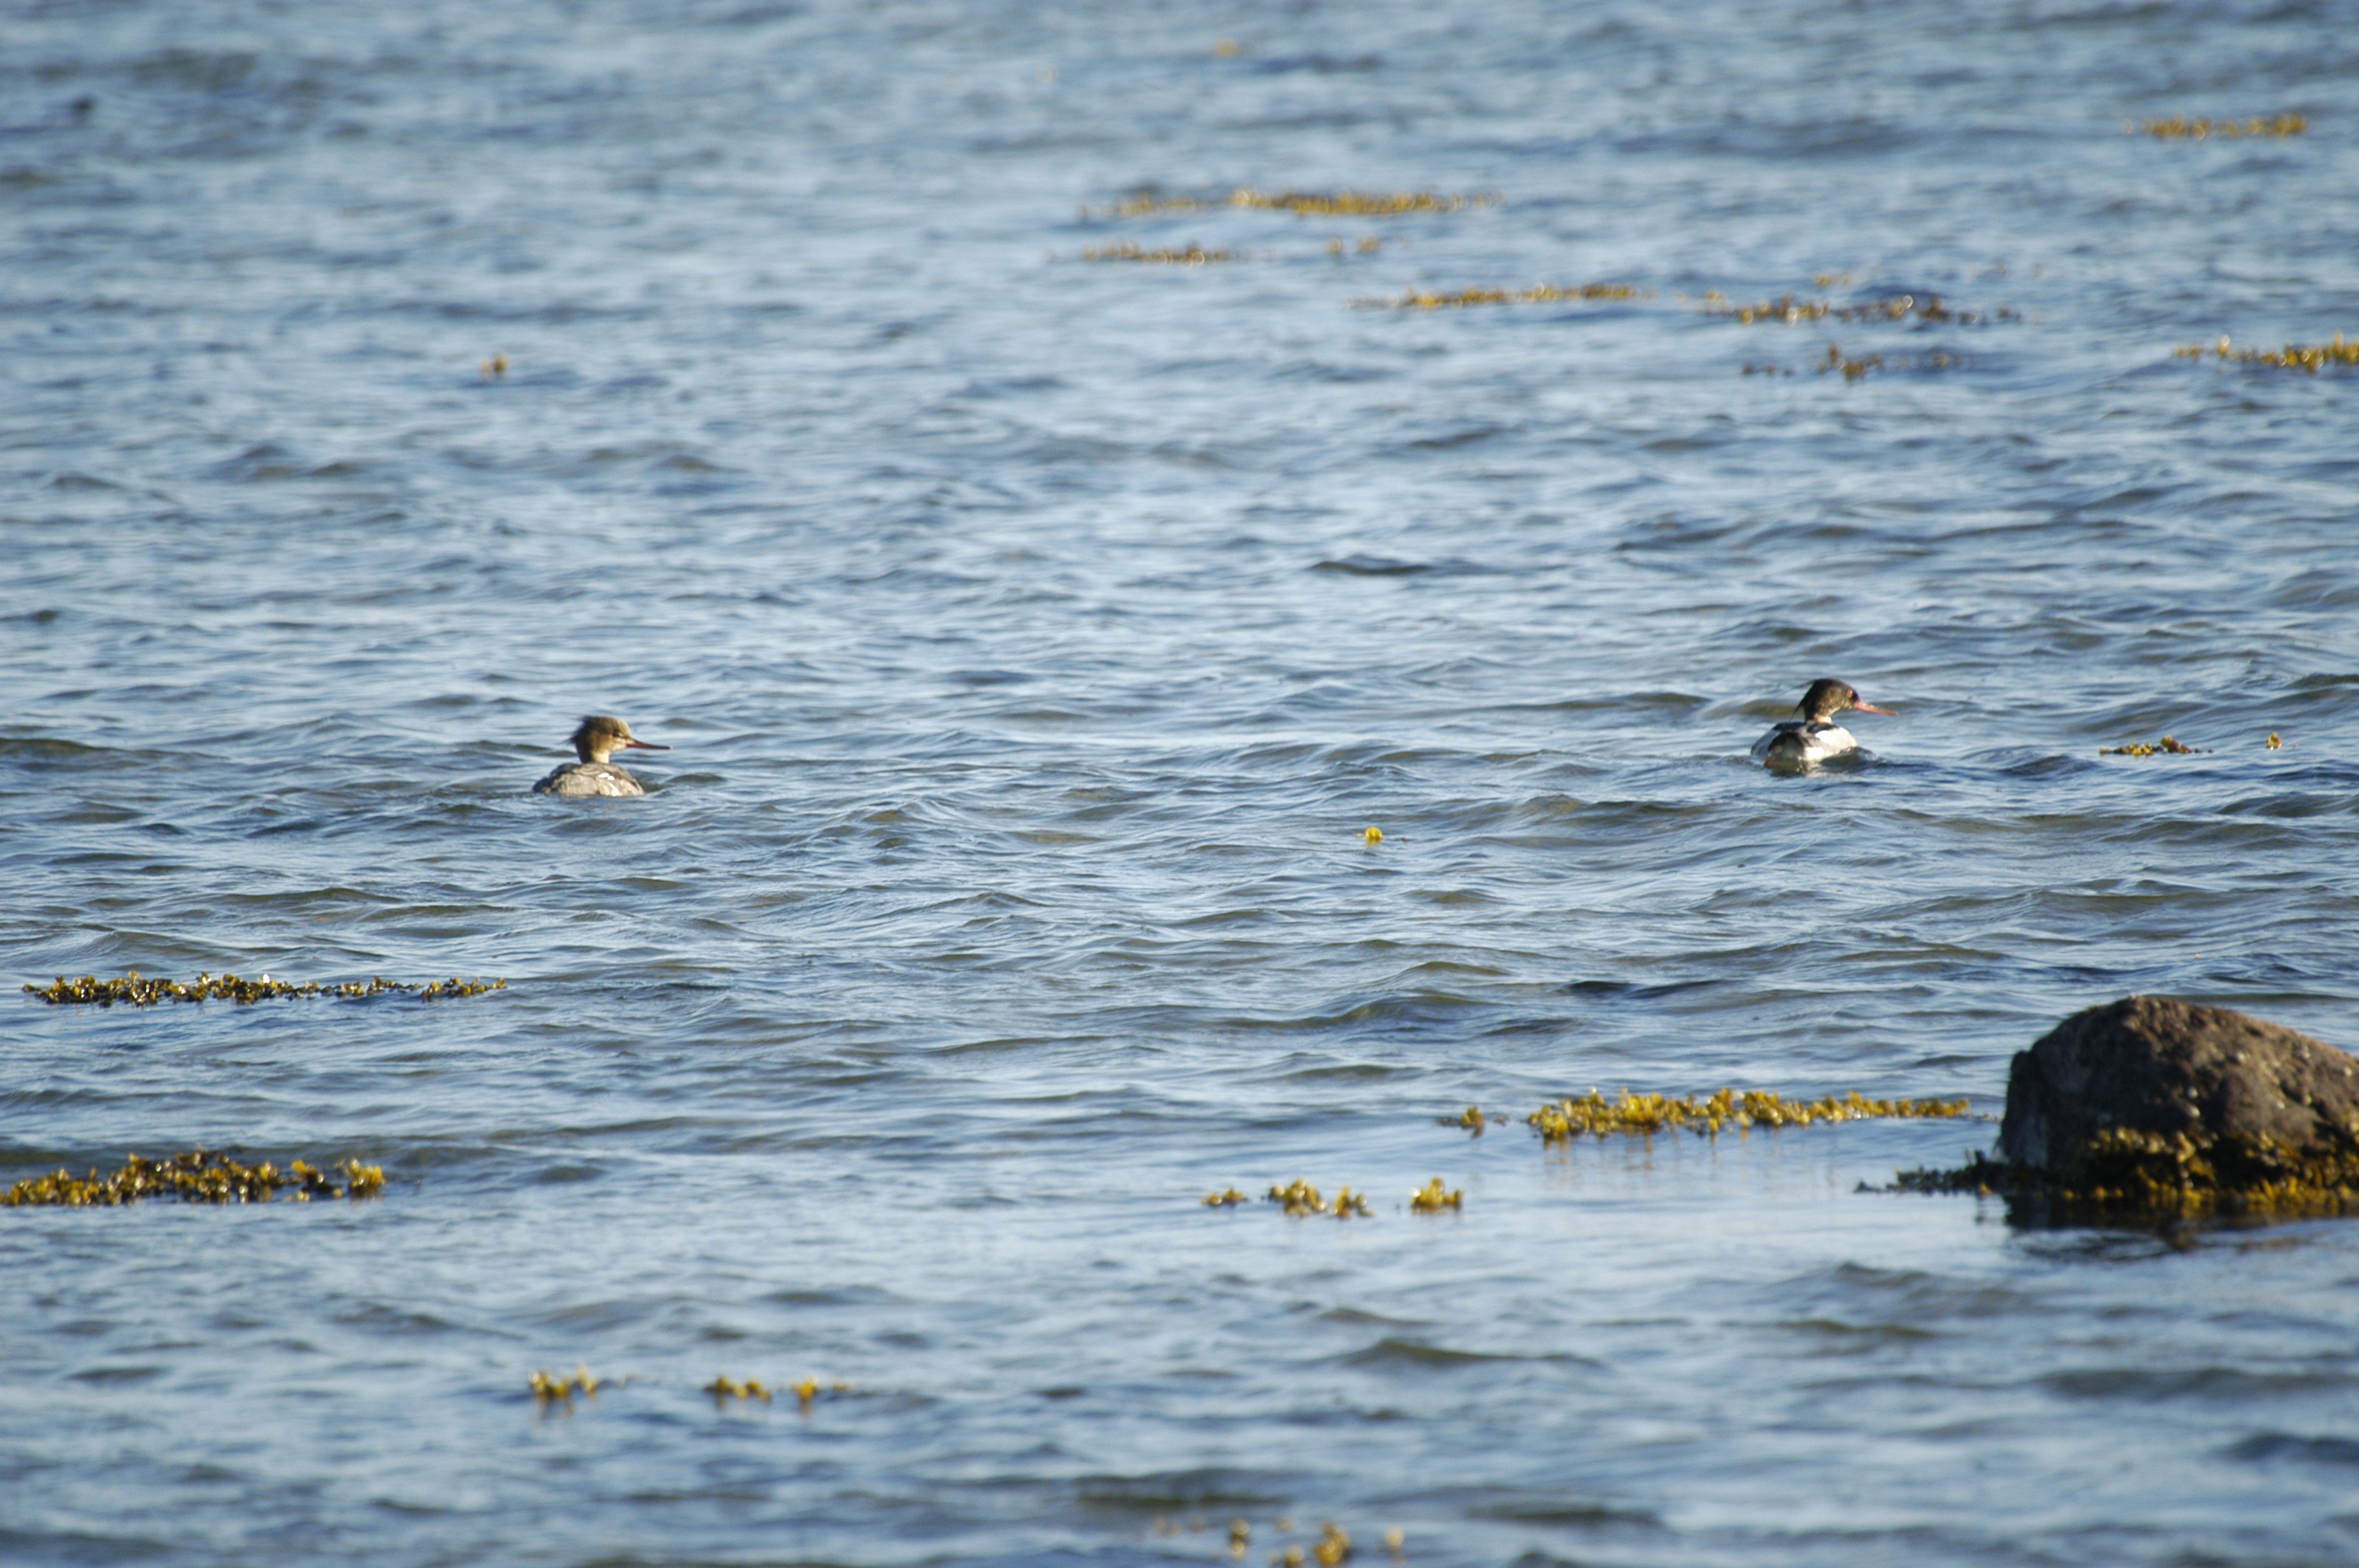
[2152,1065]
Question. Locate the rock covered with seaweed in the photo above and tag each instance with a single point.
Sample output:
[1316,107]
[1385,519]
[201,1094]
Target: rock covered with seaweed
[2149,1105]
[2154,1064]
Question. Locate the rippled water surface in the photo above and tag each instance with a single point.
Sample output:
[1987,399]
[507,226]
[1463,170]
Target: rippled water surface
[1036,637]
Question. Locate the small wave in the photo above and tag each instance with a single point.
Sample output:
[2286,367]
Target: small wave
[1393,1352]
[2267,1445]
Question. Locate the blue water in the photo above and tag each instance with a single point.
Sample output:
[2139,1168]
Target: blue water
[1036,638]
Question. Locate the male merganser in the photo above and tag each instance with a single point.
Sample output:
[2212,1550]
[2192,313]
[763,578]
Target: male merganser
[598,737]
[1814,737]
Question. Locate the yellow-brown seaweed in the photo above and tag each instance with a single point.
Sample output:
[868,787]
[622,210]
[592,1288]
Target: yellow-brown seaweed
[1645,1115]
[724,1388]
[1790,311]
[1431,1199]
[1301,1198]
[2125,1172]
[2179,128]
[2168,746]
[1129,251]
[1541,293]
[560,1387]
[1303,203]
[2311,357]
[198,1176]
[1854,368]
[136,989]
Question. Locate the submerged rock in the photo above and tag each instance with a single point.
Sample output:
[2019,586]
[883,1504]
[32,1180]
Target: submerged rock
[2151,1065]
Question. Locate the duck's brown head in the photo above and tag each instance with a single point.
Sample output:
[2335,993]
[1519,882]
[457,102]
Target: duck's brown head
[1828,697]
[599,735]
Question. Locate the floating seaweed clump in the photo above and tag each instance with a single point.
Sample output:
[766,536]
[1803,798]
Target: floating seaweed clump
[1229,1199]
[2127,1171]
[1128,250]
[1854,368]
[1895,307]
[1431,1199]
[1303,203]
[141,990]
[1333,1547]
[1473,1118]
[723,1389]
[1541,294]
[2167,746]
[552,1388]
[2179,128]
[1648,1114]
[2311,357]
[1301,1198]
[197,1177]
[1358,203]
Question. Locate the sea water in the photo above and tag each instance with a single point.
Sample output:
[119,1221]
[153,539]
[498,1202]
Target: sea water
[1037,636]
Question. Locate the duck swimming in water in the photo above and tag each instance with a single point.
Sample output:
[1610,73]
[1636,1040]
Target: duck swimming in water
[1815,737]
[598,737]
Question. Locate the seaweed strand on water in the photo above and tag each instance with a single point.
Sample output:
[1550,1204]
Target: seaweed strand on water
[1644,1115]
[1791,311]
[2179,128]
[1302,204]
[1193,254]
[198,1176]
[2169,746]
[1300,1198]
[549,1389]
[2311,357]
[1540,294]
[135,990]
[724,1388]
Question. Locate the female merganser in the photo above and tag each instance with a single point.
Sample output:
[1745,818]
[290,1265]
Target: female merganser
[598,737]
[1814,738]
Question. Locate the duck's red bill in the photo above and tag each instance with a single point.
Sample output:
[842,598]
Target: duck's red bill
[1871,708]
[651,746]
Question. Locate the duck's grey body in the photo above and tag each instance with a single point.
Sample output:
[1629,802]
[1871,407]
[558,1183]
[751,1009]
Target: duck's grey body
[596,738]
[588,778]
[1815,737]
